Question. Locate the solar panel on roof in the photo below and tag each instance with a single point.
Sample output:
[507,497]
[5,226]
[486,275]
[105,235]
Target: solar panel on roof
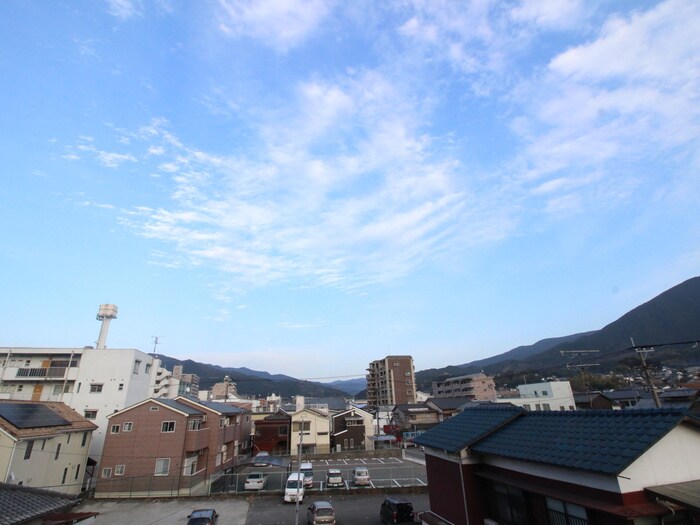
[30,415]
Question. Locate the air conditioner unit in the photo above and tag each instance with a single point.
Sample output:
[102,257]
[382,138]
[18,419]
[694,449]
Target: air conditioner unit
[489,521]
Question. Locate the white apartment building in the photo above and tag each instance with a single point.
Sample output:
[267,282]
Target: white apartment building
[549,395]
[93,382]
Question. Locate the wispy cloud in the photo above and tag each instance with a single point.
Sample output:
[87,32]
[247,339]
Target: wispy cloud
[124,9]
[279,24]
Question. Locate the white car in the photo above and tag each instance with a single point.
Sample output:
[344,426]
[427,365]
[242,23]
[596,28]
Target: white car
[256,481]
[360,476]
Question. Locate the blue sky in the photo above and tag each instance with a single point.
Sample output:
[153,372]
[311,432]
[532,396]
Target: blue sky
[303,187]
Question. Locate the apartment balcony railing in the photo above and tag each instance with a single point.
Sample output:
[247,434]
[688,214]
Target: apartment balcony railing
[196,439]
[53,372]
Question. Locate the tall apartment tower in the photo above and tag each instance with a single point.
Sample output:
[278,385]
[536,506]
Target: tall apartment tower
[391,381]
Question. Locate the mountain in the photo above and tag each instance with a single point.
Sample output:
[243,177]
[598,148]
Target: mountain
[252,382]
[672,316]
[350,386]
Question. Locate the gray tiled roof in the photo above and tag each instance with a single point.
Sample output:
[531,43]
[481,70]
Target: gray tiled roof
[467,427]
[605,441]
[223,408]
[21,504]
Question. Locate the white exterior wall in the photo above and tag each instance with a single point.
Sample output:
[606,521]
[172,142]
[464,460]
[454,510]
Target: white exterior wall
[43,469]
[559,396]
[110,367]
[673,459]
[318,424]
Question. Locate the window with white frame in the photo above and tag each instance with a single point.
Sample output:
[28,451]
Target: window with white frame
[137,366]
[119,470]
[168,426]
[162,467]
[128,426]
[96,388]
[115,429]
[190,466]
[106,472]
[194,424]
[90,414]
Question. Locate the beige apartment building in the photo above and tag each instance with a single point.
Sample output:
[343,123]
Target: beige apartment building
[391,381]
[479,387]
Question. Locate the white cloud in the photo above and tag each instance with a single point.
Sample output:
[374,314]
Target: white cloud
[280,24]
[124,9]
[550,14]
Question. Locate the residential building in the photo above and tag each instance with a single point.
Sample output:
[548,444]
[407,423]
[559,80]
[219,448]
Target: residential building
[447,407]
[32,506]
[548,395]
[477,386]
[413,418]
[593,400]
[44,445]
[175,384]
[272,433]
[315,426]
[391,381]
[95,382]
[350,429]
[170,447]
[503,464]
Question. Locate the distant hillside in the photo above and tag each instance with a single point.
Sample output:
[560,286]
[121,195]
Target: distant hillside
[350,386]
[672,316]
[252,382]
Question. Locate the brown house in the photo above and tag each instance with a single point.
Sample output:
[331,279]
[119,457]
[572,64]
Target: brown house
[169,447]
[349,429]
[506,466]
[272,434]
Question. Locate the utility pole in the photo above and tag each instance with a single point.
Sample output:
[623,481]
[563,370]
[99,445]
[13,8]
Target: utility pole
[645,370]
[299,478]
[581,366]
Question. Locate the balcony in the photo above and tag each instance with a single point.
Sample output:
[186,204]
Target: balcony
[47,373]
[196,439]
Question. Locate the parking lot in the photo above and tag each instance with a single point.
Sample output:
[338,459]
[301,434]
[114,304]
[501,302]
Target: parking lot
[239,507]
[388,472]
[350,507]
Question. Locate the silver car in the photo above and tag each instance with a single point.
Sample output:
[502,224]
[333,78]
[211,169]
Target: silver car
[320,513]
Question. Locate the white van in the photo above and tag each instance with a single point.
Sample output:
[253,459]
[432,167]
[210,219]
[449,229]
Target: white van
[308,470]
[294,488]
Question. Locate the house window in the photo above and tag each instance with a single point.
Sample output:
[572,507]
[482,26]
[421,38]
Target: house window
[58,451]
[561,512]
[68,438]
[107,472]
[120,387]
[194,424]
[545,406]
[545,393]
[407,374]
[154,409]
[77,471]
[20,388]
[65,473]
[28,449]
[537,406]
[282,431]
[507,505]
[148,367]
[119,470]
[137,366]
[85,436]
[128,426]
[168,426]
[190,467]
[115,429]
[95,388]
[90,414]
[296,426]
[527,407]
[162,466]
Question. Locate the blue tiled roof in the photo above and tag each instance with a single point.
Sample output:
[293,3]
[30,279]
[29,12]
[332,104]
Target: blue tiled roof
[604,441]
[223,408]
[467,427]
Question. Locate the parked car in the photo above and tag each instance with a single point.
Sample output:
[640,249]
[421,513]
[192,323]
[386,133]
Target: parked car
[308,470]
[255,481]
[320,513]
[360,476]
[397,510]
[334,478]
[294,488]
[203,517]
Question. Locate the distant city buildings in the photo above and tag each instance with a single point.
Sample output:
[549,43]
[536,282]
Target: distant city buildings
[391,381]
[479,387]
